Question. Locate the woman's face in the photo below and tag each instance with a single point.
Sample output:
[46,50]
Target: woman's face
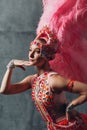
[35,56]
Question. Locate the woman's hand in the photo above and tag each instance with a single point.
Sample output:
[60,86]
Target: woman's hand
[22,63]
[18,63]
[73,115]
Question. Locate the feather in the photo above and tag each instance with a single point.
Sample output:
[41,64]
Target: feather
[68,19]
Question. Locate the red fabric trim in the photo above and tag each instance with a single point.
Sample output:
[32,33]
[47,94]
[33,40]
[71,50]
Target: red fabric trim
[70,85]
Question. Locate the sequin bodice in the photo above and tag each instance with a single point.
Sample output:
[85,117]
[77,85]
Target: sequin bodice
[42,93]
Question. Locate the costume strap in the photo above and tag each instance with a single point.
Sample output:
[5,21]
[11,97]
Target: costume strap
[46,115]
[70,85]
[43,110]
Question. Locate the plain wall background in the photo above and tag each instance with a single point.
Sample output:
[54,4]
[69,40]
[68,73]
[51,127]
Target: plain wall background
[18,22]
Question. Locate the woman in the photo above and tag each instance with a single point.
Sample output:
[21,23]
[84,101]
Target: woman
[46,84]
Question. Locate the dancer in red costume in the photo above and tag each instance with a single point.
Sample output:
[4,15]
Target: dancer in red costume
[54,52]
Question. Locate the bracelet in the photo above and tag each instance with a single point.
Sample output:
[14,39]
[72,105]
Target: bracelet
[10,65]
[69,108]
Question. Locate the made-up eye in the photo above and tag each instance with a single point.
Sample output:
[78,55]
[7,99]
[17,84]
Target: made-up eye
[38,50]
[42,40]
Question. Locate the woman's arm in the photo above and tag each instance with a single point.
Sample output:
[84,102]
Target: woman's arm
[59,84]
[7,87]
[79,88]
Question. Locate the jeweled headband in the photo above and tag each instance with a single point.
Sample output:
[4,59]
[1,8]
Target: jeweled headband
[51,42]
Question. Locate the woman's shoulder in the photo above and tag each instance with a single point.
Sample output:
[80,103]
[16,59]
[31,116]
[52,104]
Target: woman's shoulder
[52,74]
[30,78]
[56,80]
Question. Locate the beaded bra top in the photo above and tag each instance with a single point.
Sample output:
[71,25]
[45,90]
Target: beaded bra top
[42,94]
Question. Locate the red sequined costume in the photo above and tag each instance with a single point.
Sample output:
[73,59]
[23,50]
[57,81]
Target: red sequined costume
[52,106]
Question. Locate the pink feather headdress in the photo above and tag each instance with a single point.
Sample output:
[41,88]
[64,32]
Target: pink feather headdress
[51,42]
[68,20]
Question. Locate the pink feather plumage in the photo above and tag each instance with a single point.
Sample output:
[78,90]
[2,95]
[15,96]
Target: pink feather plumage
[68,19]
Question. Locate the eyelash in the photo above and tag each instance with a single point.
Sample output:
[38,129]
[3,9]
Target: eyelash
[38,51]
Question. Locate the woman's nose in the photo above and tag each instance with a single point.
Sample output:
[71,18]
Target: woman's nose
[31,55]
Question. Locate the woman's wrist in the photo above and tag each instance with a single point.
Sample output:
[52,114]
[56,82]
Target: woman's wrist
[69,108]
[10,65]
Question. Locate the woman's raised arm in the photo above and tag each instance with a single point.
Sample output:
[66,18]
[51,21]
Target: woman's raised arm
[7,87]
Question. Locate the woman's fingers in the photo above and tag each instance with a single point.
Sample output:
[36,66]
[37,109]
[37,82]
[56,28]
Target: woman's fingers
[21,63]
[76,116]
[67,116]
[22,67]
[73,115]
[27,63]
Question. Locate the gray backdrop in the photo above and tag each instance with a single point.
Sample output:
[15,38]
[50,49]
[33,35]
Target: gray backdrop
[18,22]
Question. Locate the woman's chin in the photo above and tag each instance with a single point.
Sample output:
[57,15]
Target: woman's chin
[31,63]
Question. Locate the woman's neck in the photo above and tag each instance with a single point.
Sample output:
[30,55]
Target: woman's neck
[43,68]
